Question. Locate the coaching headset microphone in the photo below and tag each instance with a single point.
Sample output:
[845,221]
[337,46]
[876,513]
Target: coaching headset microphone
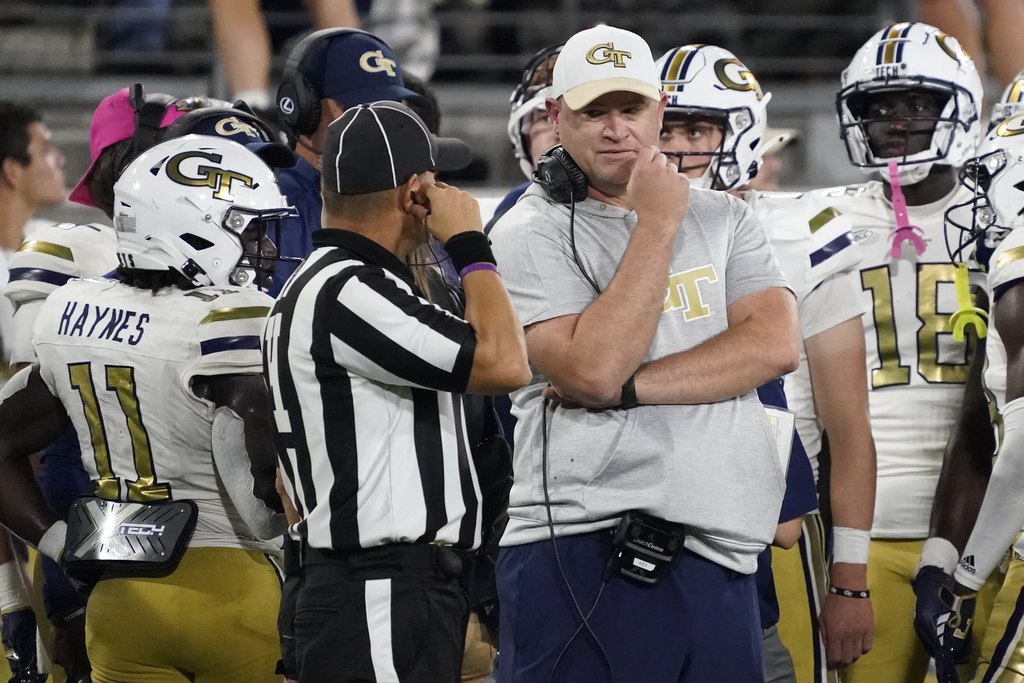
[566,183]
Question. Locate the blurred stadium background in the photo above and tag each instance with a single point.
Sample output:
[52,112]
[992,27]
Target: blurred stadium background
[63,56]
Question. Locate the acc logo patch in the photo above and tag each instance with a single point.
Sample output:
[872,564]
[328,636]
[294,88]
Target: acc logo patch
[375,62]
[863,236]
[1011,126]
[206,176]
[734,76]
[606,53]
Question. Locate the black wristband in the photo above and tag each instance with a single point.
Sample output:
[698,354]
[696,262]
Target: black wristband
[628,399]
[847,593]
[467,248]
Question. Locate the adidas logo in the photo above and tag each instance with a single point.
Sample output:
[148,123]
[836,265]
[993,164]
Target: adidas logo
[967,564]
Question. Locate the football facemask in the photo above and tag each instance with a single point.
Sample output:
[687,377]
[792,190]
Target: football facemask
[190,203]
[995,178]
[529,96]
[911,56]
[709,82]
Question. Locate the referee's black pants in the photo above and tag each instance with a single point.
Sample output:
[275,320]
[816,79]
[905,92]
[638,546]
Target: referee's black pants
[391,615]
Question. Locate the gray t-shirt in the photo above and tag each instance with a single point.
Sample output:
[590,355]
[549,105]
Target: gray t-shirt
[712,467]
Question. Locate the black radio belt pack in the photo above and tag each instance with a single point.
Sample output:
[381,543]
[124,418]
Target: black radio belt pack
[645,547]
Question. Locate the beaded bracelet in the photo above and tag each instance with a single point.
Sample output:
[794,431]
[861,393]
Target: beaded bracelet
[847,593]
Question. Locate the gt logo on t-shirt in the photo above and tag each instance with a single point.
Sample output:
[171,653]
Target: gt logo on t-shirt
[684,292]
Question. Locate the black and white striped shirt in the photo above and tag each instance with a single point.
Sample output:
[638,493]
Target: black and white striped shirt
[366,379]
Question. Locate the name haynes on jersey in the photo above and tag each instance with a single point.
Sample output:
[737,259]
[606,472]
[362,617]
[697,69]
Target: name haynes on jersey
[99,322]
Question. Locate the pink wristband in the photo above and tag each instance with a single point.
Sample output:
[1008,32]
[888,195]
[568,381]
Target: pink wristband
[478,266]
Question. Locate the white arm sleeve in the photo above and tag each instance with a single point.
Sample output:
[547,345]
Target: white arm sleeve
[1002,513]
[21,347]
[232,461]
[13,591]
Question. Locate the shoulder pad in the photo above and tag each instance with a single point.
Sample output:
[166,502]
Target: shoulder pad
[230,329]
[55,254]
[1007,263]
[832,248]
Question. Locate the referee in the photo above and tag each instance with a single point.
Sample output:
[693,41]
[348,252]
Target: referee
[367,380]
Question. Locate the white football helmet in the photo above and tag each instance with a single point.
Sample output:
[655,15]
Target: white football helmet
[706,80]
[913,56]
[529,95]
[996,177]
[184,204]
[1011,102]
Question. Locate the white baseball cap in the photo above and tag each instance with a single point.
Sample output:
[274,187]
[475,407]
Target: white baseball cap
[601,60]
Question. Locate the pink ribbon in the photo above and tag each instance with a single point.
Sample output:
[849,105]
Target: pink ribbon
[904,230]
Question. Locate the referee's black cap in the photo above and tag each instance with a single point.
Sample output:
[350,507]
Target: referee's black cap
[376,147]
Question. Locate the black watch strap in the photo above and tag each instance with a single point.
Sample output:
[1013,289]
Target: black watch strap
[629,394]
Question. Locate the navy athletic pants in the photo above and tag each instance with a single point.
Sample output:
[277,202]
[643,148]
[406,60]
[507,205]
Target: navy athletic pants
[699,624]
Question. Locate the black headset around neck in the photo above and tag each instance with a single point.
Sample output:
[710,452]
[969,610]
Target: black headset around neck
[560,176]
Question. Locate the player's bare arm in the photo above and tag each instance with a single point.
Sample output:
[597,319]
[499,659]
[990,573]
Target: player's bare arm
[31,418]
[836,361]
[967,462]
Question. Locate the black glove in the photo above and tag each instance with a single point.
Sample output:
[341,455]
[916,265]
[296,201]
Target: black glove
[943,622]
[927,584]
[69,646]
[18,635]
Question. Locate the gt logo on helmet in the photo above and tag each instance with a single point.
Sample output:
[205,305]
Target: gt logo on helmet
[735,76]
[950,48]
[206,176]
[617,58]
[232,125]
[375,61]
[1011,126]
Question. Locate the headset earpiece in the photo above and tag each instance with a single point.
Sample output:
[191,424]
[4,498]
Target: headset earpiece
[149,112]
[560,176]
[298,99]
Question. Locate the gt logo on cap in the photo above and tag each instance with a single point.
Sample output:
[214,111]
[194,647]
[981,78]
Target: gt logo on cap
[231,125]
[207,176]
[608,54]
[375,61]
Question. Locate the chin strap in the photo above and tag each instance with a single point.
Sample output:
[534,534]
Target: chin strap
[967,313]
[904,232]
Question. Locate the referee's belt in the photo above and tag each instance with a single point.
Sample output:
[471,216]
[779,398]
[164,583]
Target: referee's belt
[444,560]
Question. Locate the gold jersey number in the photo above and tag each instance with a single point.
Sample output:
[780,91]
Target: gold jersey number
[120,380]
[895,370]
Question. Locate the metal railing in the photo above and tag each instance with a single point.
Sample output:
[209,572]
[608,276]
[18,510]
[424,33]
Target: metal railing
[477,43]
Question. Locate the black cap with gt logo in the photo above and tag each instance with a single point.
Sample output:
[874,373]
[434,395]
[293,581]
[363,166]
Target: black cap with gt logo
[376,147]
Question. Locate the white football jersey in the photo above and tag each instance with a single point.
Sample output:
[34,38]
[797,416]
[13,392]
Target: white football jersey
[50,257]
[915,369]
[122,361]
[817,258]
